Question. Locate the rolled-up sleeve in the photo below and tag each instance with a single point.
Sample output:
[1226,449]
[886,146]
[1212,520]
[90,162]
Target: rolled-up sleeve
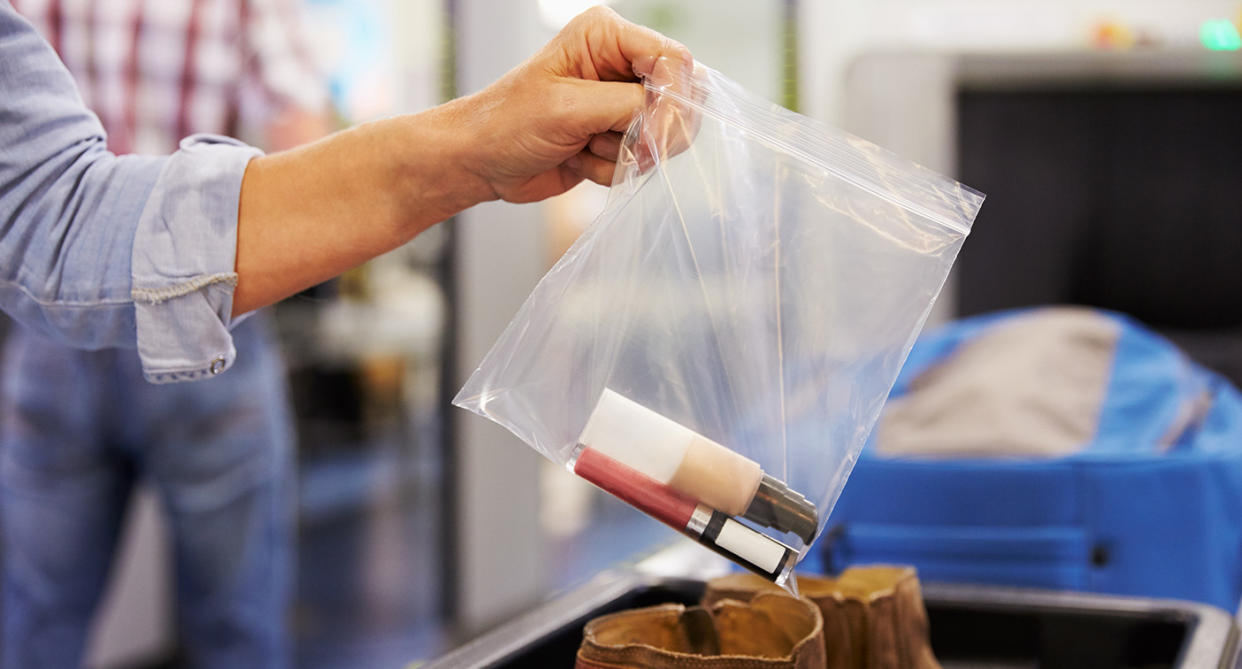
[102,251]
[184,253]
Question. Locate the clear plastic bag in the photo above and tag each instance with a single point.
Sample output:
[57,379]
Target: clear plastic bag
[717,345]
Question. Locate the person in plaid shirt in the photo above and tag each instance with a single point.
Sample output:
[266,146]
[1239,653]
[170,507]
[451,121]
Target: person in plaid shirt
[81,427]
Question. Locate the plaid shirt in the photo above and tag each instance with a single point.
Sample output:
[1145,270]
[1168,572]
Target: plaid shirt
[155,71]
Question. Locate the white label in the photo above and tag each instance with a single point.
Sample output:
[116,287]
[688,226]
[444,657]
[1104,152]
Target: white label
[750,545]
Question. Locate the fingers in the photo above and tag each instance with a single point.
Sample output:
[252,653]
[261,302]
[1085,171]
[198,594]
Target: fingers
[606,145]
[590,166]
[565,109]
[671,119]
[594,107]
[601,45]
[598,51]
[602,111]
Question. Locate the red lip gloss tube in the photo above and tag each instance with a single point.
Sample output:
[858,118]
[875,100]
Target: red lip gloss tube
[755,551]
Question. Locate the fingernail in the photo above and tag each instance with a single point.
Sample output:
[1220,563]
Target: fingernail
[644,66]
[665,72]
[574,162]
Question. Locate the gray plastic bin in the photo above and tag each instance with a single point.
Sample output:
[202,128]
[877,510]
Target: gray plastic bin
[971,627]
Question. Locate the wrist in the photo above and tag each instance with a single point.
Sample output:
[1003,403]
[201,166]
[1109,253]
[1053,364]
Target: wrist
[438,171]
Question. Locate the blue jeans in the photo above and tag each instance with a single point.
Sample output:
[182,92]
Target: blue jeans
[78,429]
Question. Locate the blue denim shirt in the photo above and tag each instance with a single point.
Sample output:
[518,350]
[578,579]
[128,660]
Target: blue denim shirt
[101,251]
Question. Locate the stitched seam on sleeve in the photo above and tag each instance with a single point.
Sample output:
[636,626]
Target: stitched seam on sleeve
[203,368]
[158,295]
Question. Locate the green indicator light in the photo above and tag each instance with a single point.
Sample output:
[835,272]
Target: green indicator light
[1220,35]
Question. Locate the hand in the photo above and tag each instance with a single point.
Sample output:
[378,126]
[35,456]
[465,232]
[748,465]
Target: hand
[558,118]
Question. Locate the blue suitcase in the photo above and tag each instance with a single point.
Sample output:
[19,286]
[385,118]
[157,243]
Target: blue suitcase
[1119,516]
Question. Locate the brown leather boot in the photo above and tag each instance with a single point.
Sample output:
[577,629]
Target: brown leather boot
[771,631]
[873,616]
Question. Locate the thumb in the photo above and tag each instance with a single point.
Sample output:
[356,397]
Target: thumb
[605,105]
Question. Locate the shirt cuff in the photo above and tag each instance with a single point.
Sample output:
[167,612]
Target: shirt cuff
[184,256]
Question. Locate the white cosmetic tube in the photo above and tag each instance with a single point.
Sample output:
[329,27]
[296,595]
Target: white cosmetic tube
[671,453]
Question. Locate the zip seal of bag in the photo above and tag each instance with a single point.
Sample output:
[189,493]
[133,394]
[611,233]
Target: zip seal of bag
[848,175]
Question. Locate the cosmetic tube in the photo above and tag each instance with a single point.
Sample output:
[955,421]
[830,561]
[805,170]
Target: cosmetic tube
[684,460]
[755,551]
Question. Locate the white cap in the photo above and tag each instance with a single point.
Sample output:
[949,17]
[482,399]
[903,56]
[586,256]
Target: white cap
[636,436]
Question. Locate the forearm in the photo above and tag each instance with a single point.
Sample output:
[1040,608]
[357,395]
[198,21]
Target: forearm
[311,213]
